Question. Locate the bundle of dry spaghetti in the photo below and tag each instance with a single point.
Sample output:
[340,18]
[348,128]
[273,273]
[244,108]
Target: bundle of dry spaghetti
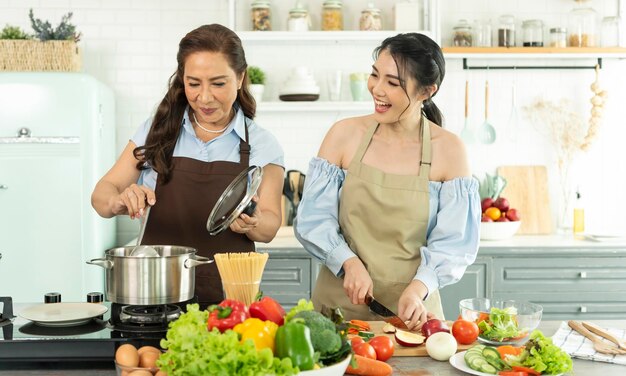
[241,274]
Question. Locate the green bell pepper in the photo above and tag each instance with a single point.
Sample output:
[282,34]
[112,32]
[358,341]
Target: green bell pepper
[293,340]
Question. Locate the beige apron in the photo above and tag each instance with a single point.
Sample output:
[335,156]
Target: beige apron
[384,219]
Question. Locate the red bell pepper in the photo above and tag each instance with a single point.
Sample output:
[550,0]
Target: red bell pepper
[266,309]
[226,315]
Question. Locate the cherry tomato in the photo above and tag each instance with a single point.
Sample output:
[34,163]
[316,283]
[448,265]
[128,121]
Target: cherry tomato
[366,350]
[356,340]
[465,332]
[383,346]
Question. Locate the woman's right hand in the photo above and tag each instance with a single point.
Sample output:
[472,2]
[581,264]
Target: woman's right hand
[356,281]
[133,201]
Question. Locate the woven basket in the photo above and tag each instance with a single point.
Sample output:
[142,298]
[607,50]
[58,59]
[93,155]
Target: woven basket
[32,55]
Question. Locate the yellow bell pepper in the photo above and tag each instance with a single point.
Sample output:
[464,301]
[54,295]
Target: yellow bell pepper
[262,333]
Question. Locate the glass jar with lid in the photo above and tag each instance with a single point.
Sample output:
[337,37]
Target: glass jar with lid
[298,19]
[610,31]
[583,25]
[261,15]
[506,31]
[558,37]
[370,19]
[462,34]
[332,15]
[532,33]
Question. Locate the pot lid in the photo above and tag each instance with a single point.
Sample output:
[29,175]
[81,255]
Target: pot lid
[236,199]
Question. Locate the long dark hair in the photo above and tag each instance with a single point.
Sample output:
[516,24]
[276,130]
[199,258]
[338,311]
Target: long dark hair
[161,140]
[417,56]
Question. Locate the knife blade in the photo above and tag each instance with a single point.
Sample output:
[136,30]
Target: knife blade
[388,316]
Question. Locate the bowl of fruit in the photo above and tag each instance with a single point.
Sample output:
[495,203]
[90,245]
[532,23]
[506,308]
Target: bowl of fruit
[501,322]
[499,220]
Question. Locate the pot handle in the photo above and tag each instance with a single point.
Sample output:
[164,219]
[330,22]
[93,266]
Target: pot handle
[197,261]
[107,264]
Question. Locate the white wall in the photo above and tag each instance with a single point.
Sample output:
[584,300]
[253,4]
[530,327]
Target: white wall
[130,45]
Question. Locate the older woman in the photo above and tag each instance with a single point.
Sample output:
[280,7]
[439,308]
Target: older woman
[181,160]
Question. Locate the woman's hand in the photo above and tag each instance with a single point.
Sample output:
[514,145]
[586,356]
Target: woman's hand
[356,281]
[245,223]
[411,307]
[133,201]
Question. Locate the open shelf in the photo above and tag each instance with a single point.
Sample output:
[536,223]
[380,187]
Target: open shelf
[318,36]
[534,52]
[315,106]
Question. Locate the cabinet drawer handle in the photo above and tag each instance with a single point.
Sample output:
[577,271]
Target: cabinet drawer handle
[583,274]
[583,309]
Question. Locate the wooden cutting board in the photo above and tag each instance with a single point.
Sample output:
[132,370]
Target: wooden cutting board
[377,329]
[527,191]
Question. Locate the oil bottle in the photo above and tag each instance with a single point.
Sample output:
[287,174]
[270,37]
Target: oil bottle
[579,214]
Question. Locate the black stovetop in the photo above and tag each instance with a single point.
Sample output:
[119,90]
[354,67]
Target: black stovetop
[95,341]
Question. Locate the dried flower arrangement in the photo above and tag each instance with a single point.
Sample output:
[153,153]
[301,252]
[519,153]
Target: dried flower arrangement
[567,131]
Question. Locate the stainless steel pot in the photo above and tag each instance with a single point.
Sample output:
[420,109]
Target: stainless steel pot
[167,278]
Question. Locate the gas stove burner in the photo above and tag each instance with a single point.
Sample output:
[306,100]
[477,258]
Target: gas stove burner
[149,314]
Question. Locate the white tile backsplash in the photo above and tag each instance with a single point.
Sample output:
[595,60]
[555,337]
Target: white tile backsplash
[131,47]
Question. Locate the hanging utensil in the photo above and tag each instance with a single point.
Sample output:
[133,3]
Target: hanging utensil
[236,199]
[513,123]
[486,133]
[467,134]
[143,250]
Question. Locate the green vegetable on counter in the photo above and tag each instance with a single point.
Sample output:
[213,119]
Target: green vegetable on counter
[303,305]
[194,350]
[293,341]
[324,336]
[542,355]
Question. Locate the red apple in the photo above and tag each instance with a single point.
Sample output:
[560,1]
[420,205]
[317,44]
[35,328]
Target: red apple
[486,203]
[503,219]
[485,218]
[513,215]
[502,204]
[433,326]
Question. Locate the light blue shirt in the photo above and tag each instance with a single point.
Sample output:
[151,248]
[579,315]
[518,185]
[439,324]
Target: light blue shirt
[264,148]
[453,225]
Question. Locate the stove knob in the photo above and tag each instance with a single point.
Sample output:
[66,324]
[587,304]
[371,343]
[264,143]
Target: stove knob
[52,297]
[95,297]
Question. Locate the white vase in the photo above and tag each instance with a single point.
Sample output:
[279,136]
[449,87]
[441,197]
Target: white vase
[257,92]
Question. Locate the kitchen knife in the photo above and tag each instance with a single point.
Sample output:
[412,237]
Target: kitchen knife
[384,312]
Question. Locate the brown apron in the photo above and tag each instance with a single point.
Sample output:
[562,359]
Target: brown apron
[182,209]
[384,219]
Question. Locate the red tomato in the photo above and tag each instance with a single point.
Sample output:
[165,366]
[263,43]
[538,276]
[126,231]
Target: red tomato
[512,373]
[383,346]
[465,332]
[356,340]
[365,350]
[529,371]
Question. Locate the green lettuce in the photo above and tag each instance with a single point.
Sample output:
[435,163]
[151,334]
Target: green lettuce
[542,355]
[303,305]
[193,350]
[501,325]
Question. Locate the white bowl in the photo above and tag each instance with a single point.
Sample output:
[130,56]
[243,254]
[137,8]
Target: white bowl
[337,369]
[498,230]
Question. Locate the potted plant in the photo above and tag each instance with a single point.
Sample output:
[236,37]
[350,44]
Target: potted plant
[257,82]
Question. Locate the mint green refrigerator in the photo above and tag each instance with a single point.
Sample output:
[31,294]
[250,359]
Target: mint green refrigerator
[57,138]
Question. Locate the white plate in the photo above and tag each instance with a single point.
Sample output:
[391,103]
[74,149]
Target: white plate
[458,361]
[63,314]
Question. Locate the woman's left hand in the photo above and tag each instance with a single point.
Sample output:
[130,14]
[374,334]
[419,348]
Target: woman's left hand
[411,307]
[245,223]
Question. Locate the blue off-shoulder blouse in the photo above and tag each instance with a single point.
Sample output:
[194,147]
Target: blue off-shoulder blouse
[453,225]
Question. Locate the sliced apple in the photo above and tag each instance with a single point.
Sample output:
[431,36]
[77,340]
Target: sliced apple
[408,339]
[388,328]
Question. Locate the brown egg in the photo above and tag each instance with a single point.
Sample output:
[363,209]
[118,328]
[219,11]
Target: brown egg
[126,355]
[143,349]
[148,359]
[161,373]
[140,372]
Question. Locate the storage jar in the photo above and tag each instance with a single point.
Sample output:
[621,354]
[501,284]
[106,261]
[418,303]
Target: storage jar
[261,15]
[462,34]
[610,31]
[370,19]
[533,33]
[558,37]
[506,31]
[332,15]
[583,25]
[298,19]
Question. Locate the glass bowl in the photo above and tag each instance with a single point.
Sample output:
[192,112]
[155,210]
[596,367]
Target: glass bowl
[124,370]
[498,230]
[514,319]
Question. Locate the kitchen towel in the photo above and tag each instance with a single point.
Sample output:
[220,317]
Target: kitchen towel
[577,346]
